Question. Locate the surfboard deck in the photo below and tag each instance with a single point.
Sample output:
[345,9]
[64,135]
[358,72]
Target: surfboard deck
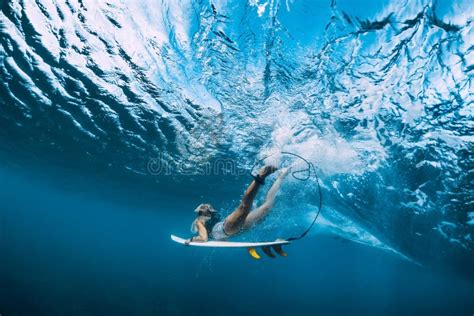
[229,244]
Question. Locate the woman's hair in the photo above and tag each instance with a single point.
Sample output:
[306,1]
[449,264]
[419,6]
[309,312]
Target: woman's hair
[204,207]
[194,224]
[200,210]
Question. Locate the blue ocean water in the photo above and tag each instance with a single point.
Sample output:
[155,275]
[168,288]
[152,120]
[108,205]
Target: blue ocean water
[117,118]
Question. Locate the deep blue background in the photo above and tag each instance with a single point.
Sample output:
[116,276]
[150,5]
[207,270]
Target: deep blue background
[377,94]
[66,251]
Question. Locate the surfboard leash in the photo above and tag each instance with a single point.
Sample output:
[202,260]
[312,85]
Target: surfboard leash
[310,169]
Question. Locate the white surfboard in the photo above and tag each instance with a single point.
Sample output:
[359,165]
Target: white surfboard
[230,244]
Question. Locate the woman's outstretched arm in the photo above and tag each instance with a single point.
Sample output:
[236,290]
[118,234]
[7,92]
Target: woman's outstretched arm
[202,233]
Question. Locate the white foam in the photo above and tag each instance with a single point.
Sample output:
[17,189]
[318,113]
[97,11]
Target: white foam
[330,153]
[339,225]
[470,215]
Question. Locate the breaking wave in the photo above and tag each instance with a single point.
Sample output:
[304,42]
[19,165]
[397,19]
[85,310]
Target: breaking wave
[378,97]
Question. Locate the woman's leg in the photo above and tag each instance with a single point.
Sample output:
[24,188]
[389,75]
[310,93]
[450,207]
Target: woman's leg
[260,212]
[235,220]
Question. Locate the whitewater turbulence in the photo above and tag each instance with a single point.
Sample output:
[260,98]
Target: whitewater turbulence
[379,96]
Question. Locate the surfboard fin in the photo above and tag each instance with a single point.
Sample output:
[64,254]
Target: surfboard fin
[268,251]
[280,251]
[253,253]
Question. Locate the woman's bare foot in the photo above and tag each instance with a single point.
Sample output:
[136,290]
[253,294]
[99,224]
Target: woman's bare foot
[267,170]
[284,172]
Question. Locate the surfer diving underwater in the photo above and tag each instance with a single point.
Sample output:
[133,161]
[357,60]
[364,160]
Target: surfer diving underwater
[208,226]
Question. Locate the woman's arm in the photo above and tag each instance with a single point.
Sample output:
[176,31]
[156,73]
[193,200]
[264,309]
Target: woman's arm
[202,233]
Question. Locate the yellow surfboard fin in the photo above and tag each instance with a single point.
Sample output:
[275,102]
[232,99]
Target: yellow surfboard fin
[253,253]
[280,251]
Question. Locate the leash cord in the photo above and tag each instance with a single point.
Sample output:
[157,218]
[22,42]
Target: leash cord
[294,175]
